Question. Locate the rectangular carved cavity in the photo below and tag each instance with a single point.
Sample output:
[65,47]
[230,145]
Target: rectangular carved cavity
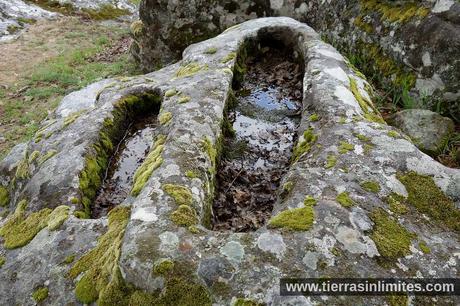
[260,127]
[124,141]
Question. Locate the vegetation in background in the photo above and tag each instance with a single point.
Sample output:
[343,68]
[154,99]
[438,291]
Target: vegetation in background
[75,63]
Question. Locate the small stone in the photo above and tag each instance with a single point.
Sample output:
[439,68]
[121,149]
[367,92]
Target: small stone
[427,129]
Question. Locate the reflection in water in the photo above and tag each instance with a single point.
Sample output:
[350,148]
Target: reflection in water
[265,120]
[129,155]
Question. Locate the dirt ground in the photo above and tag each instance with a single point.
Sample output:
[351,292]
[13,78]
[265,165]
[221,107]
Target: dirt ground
[50,59]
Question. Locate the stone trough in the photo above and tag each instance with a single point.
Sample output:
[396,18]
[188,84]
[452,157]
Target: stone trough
[358,200]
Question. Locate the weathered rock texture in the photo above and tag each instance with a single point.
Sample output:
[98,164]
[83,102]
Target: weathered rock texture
[15,15]
[398,44]
[351,192]
[426,128]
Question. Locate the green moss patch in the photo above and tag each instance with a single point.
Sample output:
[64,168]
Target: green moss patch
[304,145]
[363,138]
[106,12]
[103,283]
[246,302]
[192,174]
[163,266]
[100,265]
[424,247]
[170,93]
[4,196]
[69,259]
[345,200]
[371,186]
[229,57]
[165,117]
[40,294]
[57,217]
[2,261]
[190,69]
[397,204]
[211,151]
[398,300]
[313,118]
[181,194]
[185,216]
[150,164]
[393,134]
[428,199]
[394,12]
[46,156]
[211,50]
[33,156]
[391,238]
[370,112]
[72,118]
[183,99]
[331,161]
[345,147]
[309,201]
[19,230]
[296,219]
[22,170]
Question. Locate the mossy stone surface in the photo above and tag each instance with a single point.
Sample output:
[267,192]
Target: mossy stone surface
[429,199]
[345,147]
[40,294]
[181,194]
[296,219]
[100,265]
[344,199]
[371,186]
[4,196]
[185,215]
[391,238]
[152,162]
[304,145]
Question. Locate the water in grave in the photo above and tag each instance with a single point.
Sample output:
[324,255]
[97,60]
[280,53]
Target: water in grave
[130,153]
[257,153]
